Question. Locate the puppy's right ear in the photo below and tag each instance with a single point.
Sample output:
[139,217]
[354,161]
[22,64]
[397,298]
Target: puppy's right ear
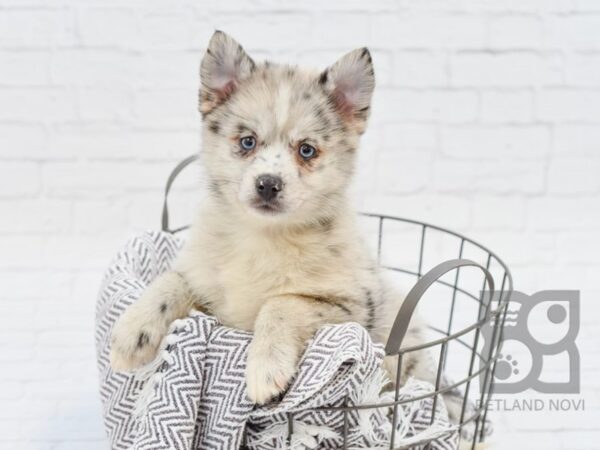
[350,83]
[223,67]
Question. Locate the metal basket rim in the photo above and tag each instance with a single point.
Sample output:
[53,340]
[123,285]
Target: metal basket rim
[503,301]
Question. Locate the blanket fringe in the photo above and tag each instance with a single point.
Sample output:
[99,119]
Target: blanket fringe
[152,373]
[405,428]
[371,392]
[305,436]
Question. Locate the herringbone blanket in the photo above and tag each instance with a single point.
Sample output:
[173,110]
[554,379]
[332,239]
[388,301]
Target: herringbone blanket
[193,395]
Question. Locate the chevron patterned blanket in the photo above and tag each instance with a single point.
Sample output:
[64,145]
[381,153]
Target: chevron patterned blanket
[193,395]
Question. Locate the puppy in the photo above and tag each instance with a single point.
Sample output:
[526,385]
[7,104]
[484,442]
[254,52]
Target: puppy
[275,249]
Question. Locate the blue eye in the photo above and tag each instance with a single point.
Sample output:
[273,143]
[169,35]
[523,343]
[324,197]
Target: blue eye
[307,151]
[248,143]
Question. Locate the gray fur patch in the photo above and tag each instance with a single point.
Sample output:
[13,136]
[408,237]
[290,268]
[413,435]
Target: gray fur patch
[370,309]
[214,127]
[215,188]
[143,339]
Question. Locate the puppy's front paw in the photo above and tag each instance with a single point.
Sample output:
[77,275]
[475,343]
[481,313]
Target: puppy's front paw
[269,371]
[134,342]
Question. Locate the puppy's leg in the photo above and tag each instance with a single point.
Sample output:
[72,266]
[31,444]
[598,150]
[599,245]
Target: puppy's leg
[423,365]
[281,330]
[419,364]
[139,331]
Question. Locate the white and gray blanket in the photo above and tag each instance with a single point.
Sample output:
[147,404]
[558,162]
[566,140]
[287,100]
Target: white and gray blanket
[193,396]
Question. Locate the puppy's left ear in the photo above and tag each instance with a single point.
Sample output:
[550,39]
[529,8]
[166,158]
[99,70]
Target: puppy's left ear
[223,67]
[350,83]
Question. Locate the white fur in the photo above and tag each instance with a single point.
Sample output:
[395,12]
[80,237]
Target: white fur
[286,273]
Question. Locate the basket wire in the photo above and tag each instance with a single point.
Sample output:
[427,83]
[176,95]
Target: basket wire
[486,315]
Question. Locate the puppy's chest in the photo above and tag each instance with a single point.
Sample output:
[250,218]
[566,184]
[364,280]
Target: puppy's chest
[260,269]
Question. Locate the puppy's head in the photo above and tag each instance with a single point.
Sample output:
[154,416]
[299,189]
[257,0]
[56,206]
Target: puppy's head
[279,142]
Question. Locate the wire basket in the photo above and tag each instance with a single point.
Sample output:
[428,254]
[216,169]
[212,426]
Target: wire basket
[477,335]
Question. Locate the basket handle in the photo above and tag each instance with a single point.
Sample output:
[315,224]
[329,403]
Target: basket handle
[176,171]
[410,302]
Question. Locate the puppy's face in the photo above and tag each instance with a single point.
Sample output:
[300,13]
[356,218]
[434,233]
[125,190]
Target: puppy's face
[279,142]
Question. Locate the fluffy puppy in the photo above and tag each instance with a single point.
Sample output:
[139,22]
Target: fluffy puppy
[275,248]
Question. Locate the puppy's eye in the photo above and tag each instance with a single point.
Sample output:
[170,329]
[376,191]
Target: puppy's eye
[307,151]
[248,143]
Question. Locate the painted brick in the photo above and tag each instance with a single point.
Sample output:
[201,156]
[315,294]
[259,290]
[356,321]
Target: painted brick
[485,120]
[518,68]
[24,67]
[578,31]
[50,105]
[23,141]
[35,216]
[583,69]
[36,28]
[574,176]
[576,140]
[501,142]
[19,179]
[516,31]
[507,106]
[417,29]
[108,27]
[420,68]
[569,105]
[453,106]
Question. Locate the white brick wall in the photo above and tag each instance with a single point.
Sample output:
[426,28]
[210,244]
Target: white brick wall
[486,119]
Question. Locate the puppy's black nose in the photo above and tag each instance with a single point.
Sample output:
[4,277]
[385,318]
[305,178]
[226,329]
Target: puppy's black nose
[268,186]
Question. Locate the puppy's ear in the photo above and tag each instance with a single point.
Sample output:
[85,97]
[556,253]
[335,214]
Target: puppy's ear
[223,67]
[350,83]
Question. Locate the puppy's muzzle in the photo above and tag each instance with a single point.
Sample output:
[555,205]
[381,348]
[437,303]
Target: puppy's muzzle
[268,187]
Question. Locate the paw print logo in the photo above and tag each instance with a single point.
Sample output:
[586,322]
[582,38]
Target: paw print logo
[537,329]
[506,367]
